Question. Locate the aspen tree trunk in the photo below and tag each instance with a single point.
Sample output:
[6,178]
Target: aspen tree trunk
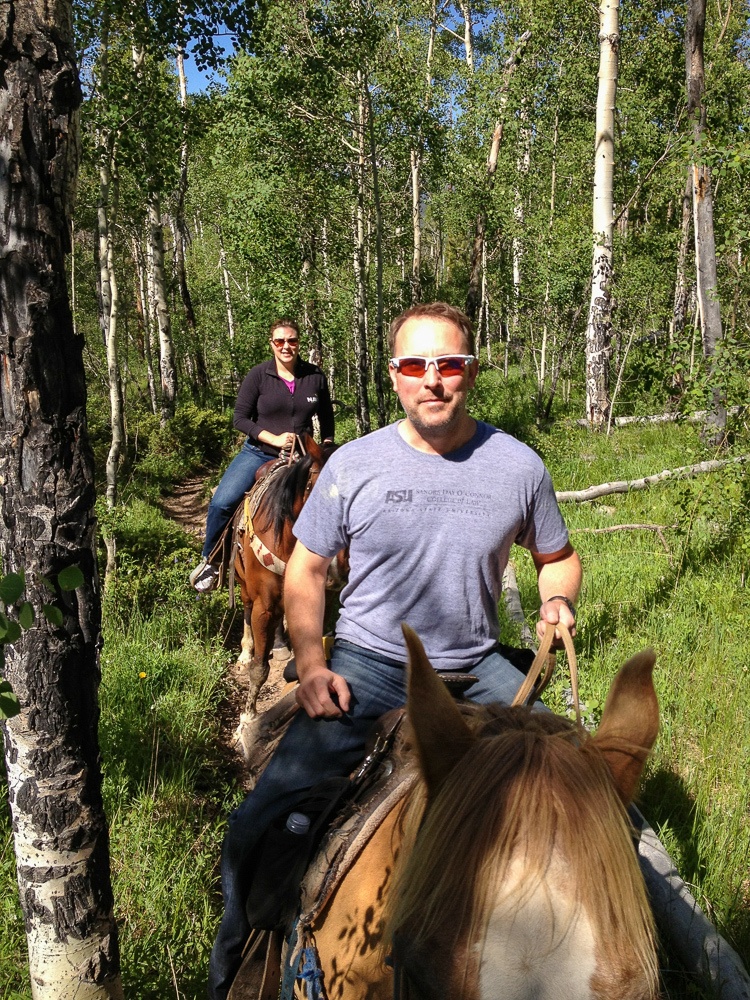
[144,320]
[468,39]
[550,225]
[416,154]
[379,336]
[360,278]
[47,523]
[475,270]
[703,215]
[181,240]
[231,327]
[167,368]
[106,159]
[522,168]
[599,326]
[108,205]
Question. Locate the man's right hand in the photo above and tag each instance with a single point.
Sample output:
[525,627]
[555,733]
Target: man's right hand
[323,694]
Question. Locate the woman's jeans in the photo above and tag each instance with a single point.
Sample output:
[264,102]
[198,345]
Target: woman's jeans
[235,483]
[311,750]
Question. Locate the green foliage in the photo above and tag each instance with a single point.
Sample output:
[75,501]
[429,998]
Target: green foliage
[153,555]
[193,438]
[165,786]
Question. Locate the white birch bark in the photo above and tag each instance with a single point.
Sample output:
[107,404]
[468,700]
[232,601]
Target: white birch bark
[167,368]
[360,277]
[599,324]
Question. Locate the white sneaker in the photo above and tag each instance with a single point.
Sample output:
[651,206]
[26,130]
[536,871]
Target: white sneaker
[204,577]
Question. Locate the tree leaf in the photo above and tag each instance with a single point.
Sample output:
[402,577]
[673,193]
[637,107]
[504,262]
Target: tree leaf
[26,615]
[9,703]
[11,588]
[47,583]
[70,578]
[12,633]
[53,615]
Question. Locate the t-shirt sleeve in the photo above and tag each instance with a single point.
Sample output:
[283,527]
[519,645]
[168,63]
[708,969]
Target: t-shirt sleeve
[544,529]
[321,524]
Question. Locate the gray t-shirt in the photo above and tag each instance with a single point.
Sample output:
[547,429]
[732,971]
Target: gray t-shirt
[429,537]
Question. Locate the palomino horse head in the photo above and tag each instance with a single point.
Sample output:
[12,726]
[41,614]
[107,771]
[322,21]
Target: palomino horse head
[523,880]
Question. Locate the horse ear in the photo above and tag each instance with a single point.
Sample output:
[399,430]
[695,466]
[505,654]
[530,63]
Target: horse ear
[630,723]
[442,737]
[313,448]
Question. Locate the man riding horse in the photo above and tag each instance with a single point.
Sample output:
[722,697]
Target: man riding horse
[428,508]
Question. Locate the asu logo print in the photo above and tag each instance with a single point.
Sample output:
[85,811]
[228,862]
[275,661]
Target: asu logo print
[399,496]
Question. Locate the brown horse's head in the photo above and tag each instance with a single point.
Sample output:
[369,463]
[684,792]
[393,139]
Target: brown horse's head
[523,876]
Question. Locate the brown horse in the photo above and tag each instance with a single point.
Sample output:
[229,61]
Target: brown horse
[516,874]
[261,558]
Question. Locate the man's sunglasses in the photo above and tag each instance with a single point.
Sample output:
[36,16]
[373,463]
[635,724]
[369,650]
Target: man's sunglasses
[446,364]
[279,341]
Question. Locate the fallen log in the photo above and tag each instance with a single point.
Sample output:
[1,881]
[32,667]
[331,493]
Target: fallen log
[514,607]
[698,417]
[686,931]
[626,486]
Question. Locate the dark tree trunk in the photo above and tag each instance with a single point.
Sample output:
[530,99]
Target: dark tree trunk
[703,215]
[46,505]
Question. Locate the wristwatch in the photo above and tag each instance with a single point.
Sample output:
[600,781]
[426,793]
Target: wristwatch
[566,601]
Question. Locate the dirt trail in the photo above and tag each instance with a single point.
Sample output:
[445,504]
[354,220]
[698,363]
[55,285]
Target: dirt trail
[187,506]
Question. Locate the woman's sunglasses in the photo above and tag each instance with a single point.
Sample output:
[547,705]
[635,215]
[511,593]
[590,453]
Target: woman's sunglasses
[279,341]
[446,364]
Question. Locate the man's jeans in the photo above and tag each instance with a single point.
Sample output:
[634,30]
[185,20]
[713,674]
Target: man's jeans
[311,750]
[234,484]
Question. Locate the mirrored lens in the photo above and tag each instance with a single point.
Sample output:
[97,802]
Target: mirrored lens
[451,365]
[447,365]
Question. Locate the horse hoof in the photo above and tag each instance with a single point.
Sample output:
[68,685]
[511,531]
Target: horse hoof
[246,732]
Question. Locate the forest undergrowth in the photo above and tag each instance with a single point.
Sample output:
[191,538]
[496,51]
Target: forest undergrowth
[169,787]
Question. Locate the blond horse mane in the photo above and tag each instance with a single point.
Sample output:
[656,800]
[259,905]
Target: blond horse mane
[533,785]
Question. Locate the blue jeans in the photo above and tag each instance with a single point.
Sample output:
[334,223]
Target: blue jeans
[311,750]
[235,483]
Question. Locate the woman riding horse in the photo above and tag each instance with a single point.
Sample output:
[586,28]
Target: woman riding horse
[277,401]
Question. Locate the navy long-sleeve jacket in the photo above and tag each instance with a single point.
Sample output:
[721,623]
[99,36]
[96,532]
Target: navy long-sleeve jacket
[264,403]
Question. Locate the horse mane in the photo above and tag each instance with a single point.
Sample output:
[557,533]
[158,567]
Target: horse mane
[286,488]
[532,787]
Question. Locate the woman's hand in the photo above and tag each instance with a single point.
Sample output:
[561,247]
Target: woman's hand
[284,442]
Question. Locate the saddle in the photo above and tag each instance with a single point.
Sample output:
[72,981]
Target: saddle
[222,556]
[280,954]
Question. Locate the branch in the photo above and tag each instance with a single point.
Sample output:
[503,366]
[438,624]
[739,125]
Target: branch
[667,418]
[627,486]
[640,183]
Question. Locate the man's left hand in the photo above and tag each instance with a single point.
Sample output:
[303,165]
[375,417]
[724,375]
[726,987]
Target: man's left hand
[553,611]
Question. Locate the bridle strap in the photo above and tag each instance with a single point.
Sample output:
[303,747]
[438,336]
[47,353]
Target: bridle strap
[545,657]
